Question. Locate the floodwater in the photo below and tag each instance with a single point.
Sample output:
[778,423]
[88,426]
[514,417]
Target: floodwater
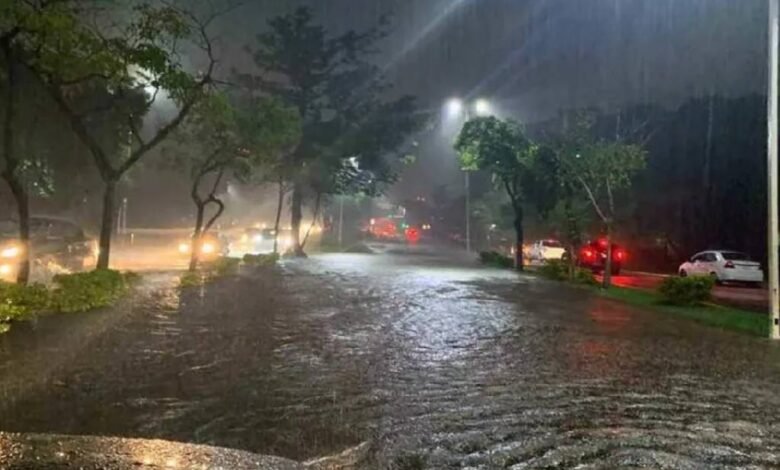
[435,361]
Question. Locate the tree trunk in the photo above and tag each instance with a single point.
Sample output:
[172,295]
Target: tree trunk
[197,235]
[607,277]
[296,216]
[106,223]
[519,239]
[315,215]
[10,173]
[279,205]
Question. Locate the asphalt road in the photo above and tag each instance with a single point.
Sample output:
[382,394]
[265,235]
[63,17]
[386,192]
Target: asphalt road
[433,360]
[749,297]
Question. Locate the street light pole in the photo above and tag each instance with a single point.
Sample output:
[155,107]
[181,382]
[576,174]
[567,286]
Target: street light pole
[772,148]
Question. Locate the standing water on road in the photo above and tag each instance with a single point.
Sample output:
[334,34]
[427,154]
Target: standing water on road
[436,363]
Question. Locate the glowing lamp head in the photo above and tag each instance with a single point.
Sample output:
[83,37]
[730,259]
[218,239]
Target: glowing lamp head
[207,248]
[184,247]
[454,108]
[482,107]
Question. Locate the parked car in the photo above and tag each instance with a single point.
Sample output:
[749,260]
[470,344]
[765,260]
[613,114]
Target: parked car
[546,250]
[593,256]
[723,266]
[56,244]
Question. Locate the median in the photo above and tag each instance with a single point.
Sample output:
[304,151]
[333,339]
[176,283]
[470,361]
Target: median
[68,293]
[685,297]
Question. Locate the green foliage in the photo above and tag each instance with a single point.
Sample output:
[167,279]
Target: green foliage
[80,292]
[493,258]
[558,270]
[210,271]
[501,147]
[192,279]
[18,301]
[262,260]
[686,291]
[555,270]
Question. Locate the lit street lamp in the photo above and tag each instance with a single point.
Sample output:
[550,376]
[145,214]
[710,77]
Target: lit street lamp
[457,109]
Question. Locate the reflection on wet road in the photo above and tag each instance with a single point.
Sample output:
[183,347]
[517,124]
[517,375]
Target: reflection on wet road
[439,363]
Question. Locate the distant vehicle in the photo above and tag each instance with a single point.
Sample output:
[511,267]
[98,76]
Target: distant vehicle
[255,240]
[412,235]
[593,256]
[723,266]
[212,247]
[545,250]
[56,244]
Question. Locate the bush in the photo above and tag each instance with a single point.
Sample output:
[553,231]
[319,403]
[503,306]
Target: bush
[497,259]
[262,260]
[555,269]
[191,279]
[686,291]
[80,292]
[584,276]
[221,267]
[19,301]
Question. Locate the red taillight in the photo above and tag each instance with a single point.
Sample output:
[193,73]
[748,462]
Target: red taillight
[729,265]
[603,242]
[587,254]
[620,255]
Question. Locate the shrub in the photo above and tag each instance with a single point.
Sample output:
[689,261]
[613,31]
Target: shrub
[262,260]
[17,301]
[686,291]
[555,269]
[497,259]
[584,276]
[80,292]
[191,279]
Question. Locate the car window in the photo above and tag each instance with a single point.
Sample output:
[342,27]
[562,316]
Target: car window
[551,244]
[699,257]
[735,256]
[710,257]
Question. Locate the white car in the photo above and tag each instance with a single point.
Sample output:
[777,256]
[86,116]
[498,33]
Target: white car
[546,250]
[724,266]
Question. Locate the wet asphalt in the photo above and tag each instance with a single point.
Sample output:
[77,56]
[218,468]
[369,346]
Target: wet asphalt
[435,361]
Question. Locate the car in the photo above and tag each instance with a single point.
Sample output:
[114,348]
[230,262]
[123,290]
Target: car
[723,266]
[212,247]
[56,244]
[255,240]
[593,256]
[545,250]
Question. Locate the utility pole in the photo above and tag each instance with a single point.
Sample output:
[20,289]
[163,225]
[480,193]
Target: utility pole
[772,111]
[468,212]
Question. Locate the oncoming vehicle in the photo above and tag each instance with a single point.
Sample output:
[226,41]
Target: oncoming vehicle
[212,247]
[593,256]
[56,244]
[546,250]
[255,240]
[723,266]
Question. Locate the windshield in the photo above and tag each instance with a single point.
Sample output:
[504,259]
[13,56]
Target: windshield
[392,234]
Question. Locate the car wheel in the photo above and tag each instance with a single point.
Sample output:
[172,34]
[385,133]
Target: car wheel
[683,273]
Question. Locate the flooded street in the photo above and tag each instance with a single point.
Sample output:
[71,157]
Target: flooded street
[435,361]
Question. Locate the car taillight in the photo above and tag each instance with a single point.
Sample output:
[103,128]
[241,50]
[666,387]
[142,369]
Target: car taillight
[729,265]
[620,255]
[587,254]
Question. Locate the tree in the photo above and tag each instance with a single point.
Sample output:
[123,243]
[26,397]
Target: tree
[600,169]
[502,148]
[336,90]
[139,55]
[219,141]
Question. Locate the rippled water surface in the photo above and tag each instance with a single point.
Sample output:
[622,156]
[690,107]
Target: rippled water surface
[435,361]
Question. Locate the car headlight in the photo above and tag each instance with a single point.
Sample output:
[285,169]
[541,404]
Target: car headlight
[244,238]
[5,269]
[257,238]
[10,252]
[184,247]
[207,248]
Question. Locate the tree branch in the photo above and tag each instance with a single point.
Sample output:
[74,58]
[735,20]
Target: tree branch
[592,199]
[610,198]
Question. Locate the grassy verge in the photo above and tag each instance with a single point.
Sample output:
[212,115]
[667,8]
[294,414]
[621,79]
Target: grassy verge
[69,293]
[708,314]
[210,271]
